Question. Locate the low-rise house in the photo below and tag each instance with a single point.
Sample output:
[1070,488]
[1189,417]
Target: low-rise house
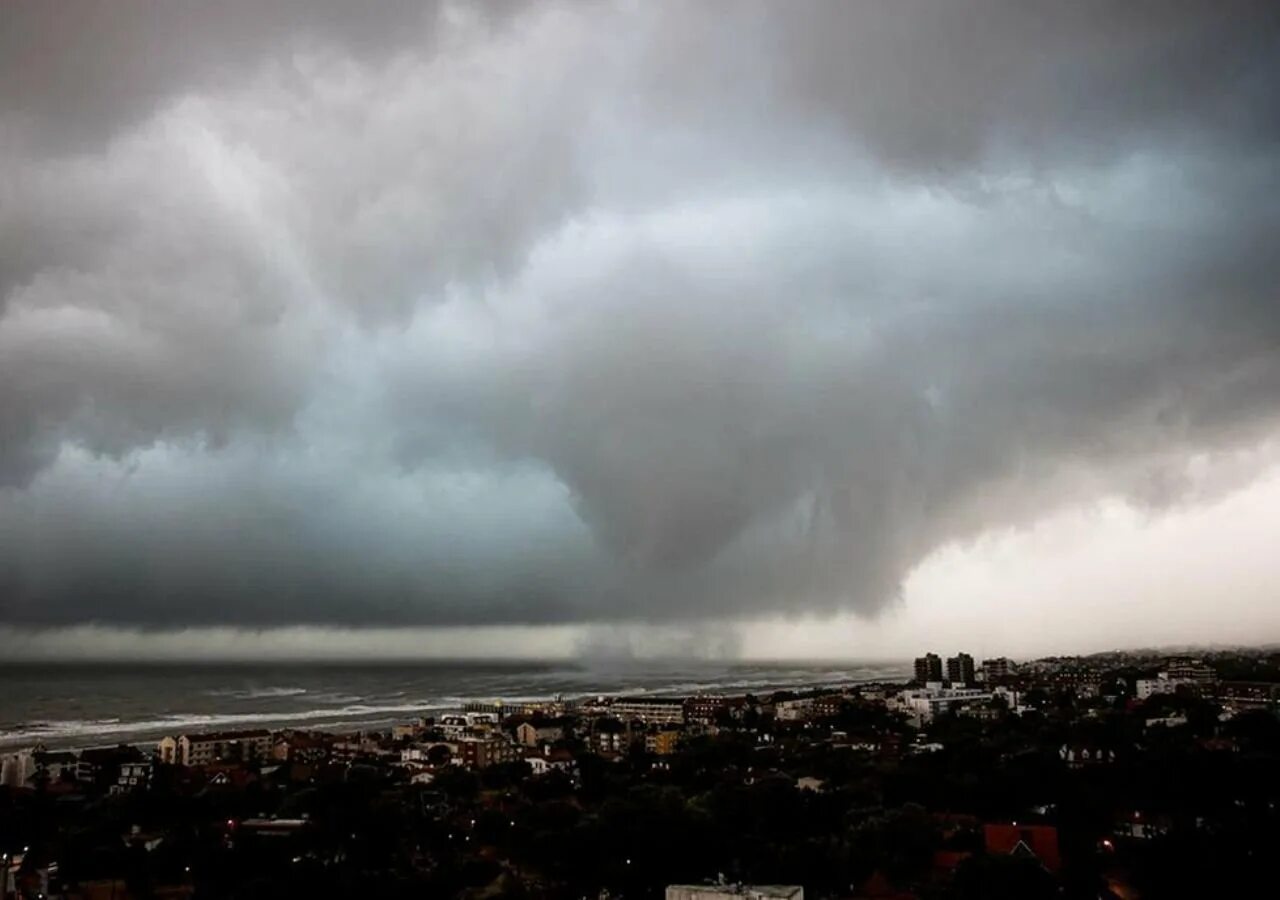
[554,760]
[452,726]
[228,777]
[101,765]
[434,753]
[1038,842]
[1078,756]
[57,765]
[133,776]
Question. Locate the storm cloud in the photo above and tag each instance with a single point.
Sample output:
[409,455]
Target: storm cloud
[560,313]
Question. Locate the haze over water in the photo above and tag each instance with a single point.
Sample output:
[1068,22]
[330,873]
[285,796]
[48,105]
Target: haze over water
[63,705]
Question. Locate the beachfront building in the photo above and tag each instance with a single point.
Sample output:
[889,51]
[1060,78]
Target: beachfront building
[219,746]
[649,710]
[29,767]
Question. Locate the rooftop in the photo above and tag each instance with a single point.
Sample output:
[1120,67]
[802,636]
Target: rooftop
[228,735]
[753,891]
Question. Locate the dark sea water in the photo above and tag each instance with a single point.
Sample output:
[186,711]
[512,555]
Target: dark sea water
[78,705]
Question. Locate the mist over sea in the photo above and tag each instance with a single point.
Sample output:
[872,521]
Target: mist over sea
[67,705]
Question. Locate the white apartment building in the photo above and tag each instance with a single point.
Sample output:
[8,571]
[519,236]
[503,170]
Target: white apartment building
[923,704]
[1148,687]
[219,746]
[649,710]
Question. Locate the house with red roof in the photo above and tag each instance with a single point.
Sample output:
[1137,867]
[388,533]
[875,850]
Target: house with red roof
[1039,842]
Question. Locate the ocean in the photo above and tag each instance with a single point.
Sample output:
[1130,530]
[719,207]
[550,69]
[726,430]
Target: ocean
[73,705]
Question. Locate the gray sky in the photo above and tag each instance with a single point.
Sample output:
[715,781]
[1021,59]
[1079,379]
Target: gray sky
[756,328]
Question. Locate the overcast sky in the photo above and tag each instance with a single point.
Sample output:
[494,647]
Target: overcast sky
[772,329]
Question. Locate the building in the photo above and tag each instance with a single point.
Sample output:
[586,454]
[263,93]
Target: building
[1077,757]
[923,704]
[301,747]
[134,776]
[219,746]
[1038,842]
[662,742]
[734,892]
[530,735]
[799,709]
[1149,687]
[705,709]
[476,752]
[27,767]
[929,668]
[455,725]
[802,709]
[995,670]
[828,706]
[960,669]
[558,706]
[1244,695]
[649,710]
[16,769]
[1080,680]
[1184,668]
[101,766]
[452,726]
[609,737]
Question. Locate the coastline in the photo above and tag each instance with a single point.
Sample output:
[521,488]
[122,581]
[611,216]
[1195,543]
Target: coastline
[351,721]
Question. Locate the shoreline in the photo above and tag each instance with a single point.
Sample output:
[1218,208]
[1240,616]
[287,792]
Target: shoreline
[354,724]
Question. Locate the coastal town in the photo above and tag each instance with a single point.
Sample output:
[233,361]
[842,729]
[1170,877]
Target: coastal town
[973,779]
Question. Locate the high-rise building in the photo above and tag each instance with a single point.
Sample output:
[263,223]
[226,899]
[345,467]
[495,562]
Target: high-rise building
[960,669]
[995,670]
[929,668]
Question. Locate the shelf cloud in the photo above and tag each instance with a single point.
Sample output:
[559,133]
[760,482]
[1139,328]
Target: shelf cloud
[524,314]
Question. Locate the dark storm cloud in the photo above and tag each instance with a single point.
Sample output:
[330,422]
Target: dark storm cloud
[572,313]
[76,72]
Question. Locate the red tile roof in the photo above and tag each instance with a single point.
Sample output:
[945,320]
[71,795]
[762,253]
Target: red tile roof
[1039,841]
